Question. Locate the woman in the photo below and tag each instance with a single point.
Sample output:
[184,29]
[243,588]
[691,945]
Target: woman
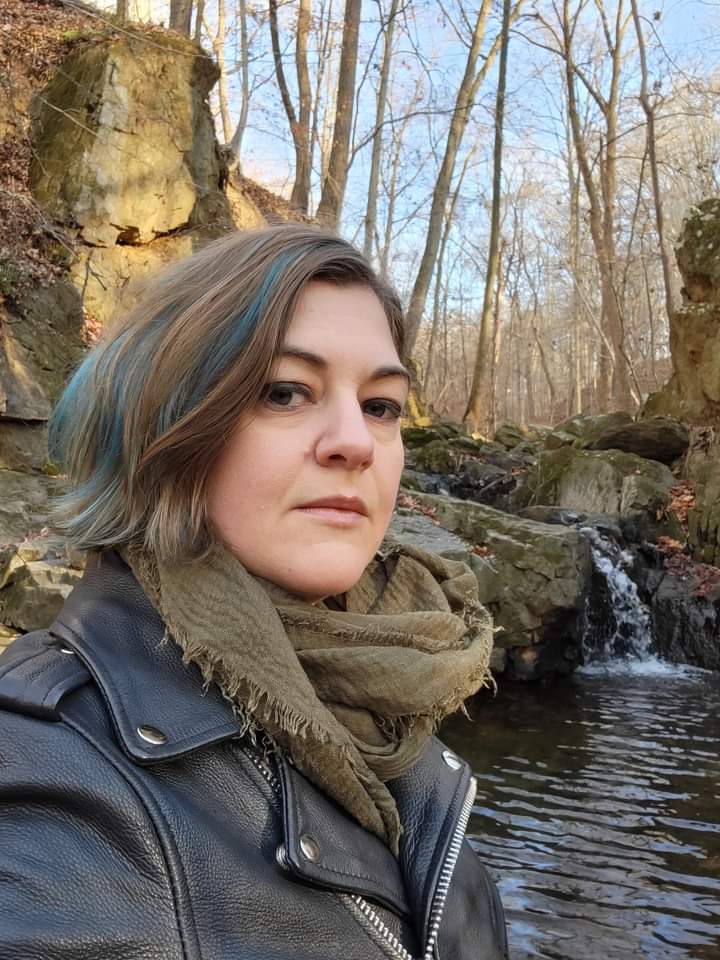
[222,748]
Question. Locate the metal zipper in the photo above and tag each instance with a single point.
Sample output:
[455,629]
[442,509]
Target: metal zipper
[262,767]
[367,912]
[367,916]
[446,874]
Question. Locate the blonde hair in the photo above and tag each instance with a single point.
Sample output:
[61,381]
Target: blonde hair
[142,420]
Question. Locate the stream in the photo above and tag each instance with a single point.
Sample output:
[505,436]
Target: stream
[598,805]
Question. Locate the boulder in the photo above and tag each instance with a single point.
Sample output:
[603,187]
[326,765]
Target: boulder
[604,481]
[559,438]
[703,472]
[509,435]
[414,437]
[533,577]
[656,438]
[34,594]
[24,503]
[437,457]
[584,428]
[686,622]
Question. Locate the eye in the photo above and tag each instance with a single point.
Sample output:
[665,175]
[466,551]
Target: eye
[286,396]
[383,409]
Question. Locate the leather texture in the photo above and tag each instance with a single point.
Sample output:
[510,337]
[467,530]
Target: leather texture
[189,847]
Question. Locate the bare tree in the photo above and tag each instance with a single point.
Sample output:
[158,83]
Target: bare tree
[300,121]
[480,412]
[333,188]
[602,196]
[181,16]
[467,92]
[380,103]
[234,146]
[651,142]
[218,42]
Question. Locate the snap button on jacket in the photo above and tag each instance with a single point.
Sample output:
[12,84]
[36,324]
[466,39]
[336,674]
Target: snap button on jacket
[136,823]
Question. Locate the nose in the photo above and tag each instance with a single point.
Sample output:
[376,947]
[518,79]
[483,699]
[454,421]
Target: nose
[345,438]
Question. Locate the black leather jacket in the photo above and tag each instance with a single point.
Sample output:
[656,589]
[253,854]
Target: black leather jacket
[137,824]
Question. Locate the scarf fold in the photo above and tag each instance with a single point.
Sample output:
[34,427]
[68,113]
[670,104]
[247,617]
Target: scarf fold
[351,695]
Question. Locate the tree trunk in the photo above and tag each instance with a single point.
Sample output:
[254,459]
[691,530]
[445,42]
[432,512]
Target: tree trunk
[651,140]
[121,9]
[438,277]
[139,10]
[199,14]
[219,50]
[398,137]
[333,190]
[300,197]
[461,114]
[181,16]
[235,144]
[480,413]
[371,210]
[299,123]
[464,101]
[614,372]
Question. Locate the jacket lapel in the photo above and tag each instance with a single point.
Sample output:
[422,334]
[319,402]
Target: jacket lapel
[429,797]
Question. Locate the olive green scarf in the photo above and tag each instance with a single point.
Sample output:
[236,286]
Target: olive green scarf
[351,694]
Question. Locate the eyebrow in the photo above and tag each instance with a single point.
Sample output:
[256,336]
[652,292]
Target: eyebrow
[314,360]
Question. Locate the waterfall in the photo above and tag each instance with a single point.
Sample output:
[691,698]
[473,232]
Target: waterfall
[617,623]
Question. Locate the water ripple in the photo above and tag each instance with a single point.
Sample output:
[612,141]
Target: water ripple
[597,812]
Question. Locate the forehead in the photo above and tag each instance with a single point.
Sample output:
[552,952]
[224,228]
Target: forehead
[333,318]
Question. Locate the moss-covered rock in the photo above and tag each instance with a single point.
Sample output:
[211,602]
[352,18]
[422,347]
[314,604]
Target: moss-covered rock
[559,438]
[437,457]
[703,473]
[533,577]
[693,392]
[698,252]
[586,428]
[509,435]
[607,481]
[654,438]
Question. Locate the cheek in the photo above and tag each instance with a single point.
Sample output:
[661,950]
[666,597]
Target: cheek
[390,474]
[250,477]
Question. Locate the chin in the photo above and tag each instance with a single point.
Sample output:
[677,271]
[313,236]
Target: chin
[325,573]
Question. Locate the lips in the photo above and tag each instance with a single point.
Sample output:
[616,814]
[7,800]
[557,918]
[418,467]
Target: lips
[348,504]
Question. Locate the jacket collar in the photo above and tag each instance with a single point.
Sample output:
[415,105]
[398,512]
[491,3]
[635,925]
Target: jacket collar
[109,621]
[114,628]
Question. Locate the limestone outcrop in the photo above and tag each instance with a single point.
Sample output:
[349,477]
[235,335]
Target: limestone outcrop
[693,392]
[117,172]
[125,156]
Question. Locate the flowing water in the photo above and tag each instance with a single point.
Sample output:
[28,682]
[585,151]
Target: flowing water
[598,807]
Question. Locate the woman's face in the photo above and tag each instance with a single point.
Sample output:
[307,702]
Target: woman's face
[303,491]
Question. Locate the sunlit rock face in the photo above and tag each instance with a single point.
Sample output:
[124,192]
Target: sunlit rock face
[125,157]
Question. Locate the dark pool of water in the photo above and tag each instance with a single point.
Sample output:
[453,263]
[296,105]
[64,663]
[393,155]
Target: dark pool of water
[598,813]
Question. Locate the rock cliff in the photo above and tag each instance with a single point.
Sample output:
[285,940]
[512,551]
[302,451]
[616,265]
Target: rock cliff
[109,169]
